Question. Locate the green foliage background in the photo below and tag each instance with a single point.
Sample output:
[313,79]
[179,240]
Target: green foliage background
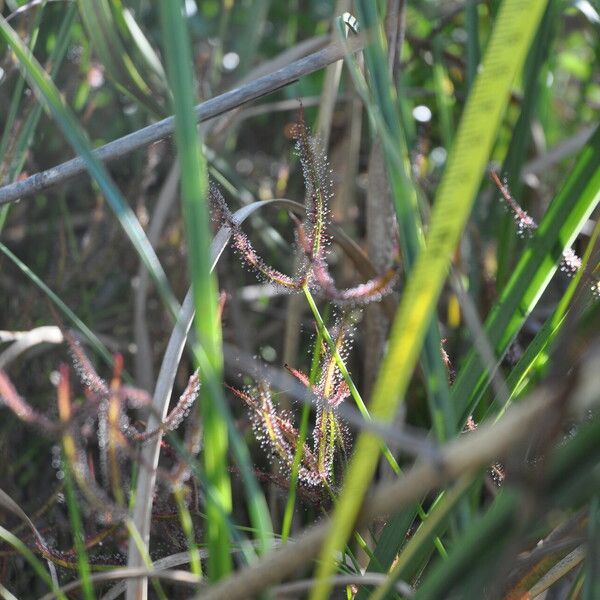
[472,86]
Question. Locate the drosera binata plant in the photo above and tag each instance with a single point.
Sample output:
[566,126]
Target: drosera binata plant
[104,405]
[279,436]
[118,396]
[312,239]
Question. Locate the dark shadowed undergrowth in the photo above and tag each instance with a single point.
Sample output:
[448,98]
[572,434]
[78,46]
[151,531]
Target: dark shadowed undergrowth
[340,339]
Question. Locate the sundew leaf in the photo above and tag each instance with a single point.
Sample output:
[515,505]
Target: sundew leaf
[515,27]
[311,238]
[317,179]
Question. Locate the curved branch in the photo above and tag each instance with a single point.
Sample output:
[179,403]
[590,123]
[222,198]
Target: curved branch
[206,110]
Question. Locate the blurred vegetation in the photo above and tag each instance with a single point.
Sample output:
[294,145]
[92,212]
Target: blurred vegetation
[104,257]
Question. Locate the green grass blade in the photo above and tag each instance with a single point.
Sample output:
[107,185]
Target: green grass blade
[481,544]
[257,506]
[143,53]
[517,150]
[561,224]
[56,58]
[384,102]
[5,139]
[545,337]
[571,479]
[78,534]
[473,46]
[514,30]
[25,135]
[187,525]
[52,100]
[103,29]
[194,187]
[16,98]
[443,99]
[420,546]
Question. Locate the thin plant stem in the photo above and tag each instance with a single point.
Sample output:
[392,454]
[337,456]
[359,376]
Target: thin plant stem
[78,534]
[358,399]
[188,529]
[209,109]
[134,535]
[291,500]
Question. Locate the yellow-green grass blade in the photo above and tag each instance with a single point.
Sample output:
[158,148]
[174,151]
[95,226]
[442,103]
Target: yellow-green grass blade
[143,53]
[443,98]
[54,103]
[187,525]
[538,53]
[515,27]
